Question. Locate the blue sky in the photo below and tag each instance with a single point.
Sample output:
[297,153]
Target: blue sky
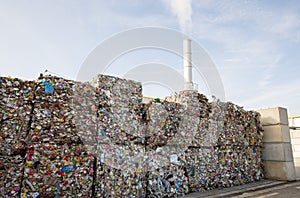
[254,44]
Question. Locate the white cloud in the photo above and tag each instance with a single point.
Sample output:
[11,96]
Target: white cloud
[287,23]
[287,26]
[282,95]
[227,11]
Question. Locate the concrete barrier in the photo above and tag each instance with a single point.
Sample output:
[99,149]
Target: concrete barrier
[279,170]
[274,116]
[276,133]
[281,152]
[277,149]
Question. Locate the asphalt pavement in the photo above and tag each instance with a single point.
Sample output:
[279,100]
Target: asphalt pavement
[259,189]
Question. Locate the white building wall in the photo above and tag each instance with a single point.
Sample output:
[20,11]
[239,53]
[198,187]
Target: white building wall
[294,124]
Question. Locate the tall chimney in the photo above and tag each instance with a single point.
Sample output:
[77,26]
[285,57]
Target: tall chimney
[187,55]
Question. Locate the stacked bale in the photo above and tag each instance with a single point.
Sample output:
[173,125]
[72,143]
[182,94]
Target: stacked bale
[57,163]
[121,126]
[71,139]
[15,114]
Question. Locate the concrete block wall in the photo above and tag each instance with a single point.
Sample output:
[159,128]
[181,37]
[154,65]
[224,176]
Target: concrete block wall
[277,149]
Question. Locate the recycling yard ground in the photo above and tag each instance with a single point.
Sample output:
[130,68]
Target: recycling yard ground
[261,189]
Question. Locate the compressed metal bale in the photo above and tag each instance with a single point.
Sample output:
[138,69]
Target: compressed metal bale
[163,148]
[11,169]
[15,108]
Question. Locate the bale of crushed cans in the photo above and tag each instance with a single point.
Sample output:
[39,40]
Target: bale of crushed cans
[62,138]
[16,98]
[57,162]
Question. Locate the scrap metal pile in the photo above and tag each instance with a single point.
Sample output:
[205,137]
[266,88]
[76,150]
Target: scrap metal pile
[61,138]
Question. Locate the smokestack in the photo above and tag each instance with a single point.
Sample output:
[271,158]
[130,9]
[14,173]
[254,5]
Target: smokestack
[187,55]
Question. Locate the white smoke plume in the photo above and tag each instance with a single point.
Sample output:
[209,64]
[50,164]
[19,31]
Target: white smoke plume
[182,9]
